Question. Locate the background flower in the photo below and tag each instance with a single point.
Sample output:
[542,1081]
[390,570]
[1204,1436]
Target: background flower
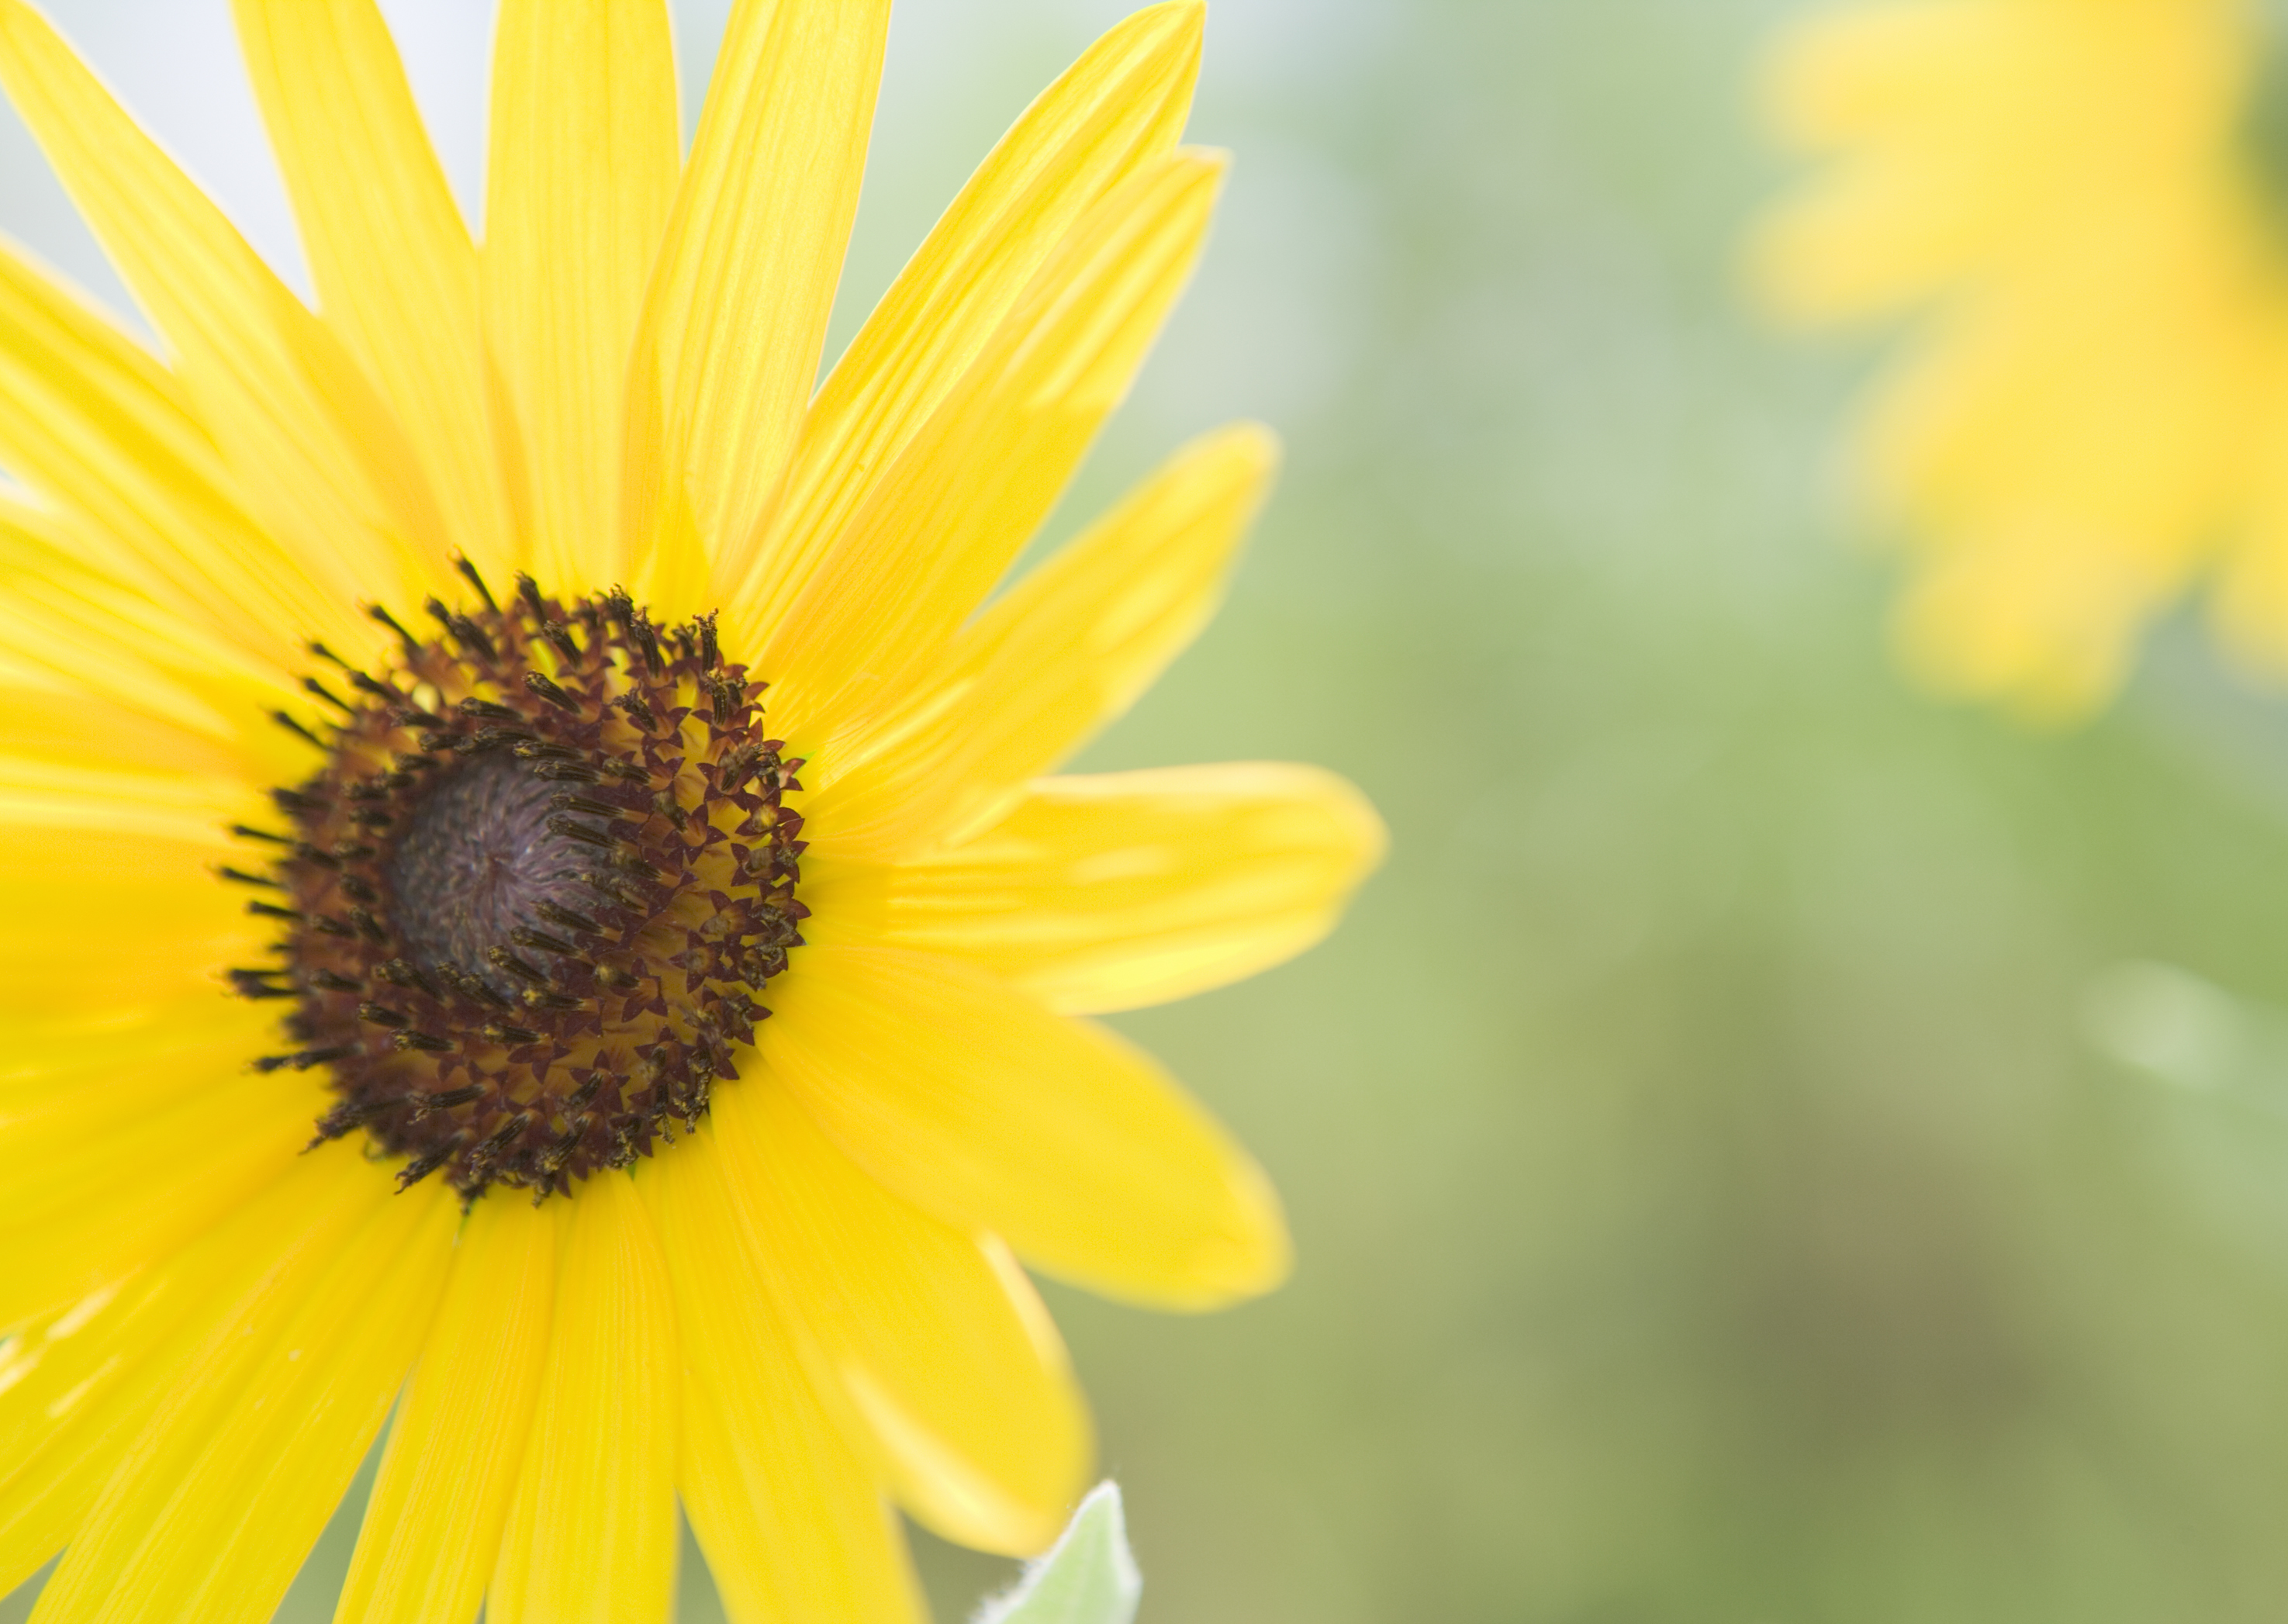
[2092,412]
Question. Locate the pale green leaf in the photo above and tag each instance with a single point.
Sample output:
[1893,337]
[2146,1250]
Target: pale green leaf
[1088,1578]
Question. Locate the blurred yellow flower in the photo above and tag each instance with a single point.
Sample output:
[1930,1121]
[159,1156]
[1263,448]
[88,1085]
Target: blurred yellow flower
[2087,201]
[527,883]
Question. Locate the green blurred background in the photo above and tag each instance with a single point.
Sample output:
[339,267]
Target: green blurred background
[1768,1149]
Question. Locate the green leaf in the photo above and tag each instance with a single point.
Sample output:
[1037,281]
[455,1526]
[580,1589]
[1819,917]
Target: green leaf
[1088,1578]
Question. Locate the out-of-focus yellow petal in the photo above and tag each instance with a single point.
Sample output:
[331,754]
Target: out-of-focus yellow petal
[96,424]
[2040,615]
[432,1528]
[976,1103]
[1062,652]
[36,791]
[74,631]
[124,1071]
[591,1532]
[1123,103]
[312,450]
[1949,121]
[395,270]
[1854,74]
[221,1499]
[582,169]
[924,549]
[144,1187]
[92,1375]
[787,1513]
[70,728]
[64,945]
[737,309]
[941,1346]
[76,1387]
[1129,888]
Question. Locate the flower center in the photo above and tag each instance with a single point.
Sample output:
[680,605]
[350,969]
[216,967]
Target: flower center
[527,910]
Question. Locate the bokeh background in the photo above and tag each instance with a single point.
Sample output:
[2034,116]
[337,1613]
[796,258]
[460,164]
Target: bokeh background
[1768,1149]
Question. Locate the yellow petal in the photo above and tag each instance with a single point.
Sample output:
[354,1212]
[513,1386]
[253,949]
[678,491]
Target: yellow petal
[75,631]
[87,1399]
[145,1187]
[922,551]
[62,947]
[939,1342]
[36,792]
[976,1103]
[1129,888]
[592,1531]
[76,742]
[1060,655]
[96,424]
[788,1515]
[221,1499]
[737,310]
[1122,104]
[434,1525]
[1846,76]
[92,1355]
[121,1071]
[312,450]
[582,169]
[395,271]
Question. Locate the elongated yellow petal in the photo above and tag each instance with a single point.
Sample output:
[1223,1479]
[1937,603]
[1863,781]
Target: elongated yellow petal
[143,1189]
[71,731]
[432,1528]
[582,172]
[114,1062]
[98,427]
[63,946]
[788,1514]
[591,1532]
[221,1499]
[91,1354]
[395,270]
[89,1397]
[1065,651]
[312,448]
[941,1347]
[737,310]
[976,1103]
[1129,889]
[922,551]
[1122,104]
[74,631]
[36,792]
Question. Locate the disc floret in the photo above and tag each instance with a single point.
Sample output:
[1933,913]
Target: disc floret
[530,900]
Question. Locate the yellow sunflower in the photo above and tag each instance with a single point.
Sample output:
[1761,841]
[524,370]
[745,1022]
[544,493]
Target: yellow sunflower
[583,748]
[2088,200]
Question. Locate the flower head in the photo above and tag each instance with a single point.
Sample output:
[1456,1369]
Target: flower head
[581,750]
[2090,200]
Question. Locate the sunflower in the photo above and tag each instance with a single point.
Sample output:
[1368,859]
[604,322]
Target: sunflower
[2088,199]
[533,900]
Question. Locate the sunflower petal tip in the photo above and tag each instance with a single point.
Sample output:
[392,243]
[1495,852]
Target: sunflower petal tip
[1363,823]
[1191,15]
[1257,440]
[1250,1256]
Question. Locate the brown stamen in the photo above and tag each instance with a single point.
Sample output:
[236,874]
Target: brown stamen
[618,818]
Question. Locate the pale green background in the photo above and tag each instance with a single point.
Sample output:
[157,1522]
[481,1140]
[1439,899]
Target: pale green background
[1710,1211]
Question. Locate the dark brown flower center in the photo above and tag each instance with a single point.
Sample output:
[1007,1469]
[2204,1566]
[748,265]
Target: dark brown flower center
[530,898]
